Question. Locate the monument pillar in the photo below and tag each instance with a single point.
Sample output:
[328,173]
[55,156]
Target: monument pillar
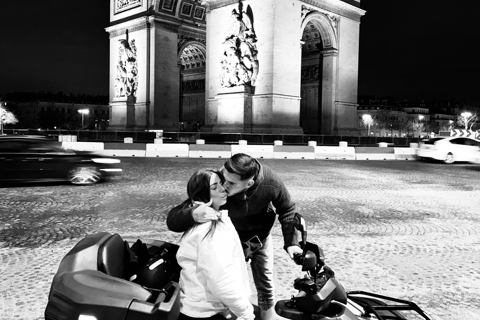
[253,66]
[329,119]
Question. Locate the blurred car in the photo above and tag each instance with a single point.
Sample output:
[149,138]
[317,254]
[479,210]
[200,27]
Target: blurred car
[450,149]
[30,158]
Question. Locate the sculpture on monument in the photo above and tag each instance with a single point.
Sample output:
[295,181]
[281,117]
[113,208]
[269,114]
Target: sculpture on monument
[126,80]
[240,63]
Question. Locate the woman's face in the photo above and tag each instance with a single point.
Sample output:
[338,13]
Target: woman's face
[217,192]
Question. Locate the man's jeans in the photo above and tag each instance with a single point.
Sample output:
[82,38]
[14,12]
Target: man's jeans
[262,271]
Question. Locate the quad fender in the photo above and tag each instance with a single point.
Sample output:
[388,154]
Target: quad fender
[338,312]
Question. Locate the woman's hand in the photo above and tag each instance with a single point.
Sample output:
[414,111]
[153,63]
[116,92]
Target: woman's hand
[204,213]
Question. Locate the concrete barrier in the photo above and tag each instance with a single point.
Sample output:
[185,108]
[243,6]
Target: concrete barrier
[405,153]
[128,140]
[209,151]
[83,146]
[123,153]
[334,153]
[256,151]
[293,152]
[374,153]
[116,149]
[170,150]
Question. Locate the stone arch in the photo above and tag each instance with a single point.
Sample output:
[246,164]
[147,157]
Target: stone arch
[191,58]
[319,65]
[191,43]
[324,25]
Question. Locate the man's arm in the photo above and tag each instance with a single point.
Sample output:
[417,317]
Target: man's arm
[180,218]
[184,216]
[286,210]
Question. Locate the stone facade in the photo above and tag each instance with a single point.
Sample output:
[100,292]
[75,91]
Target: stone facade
[235,66]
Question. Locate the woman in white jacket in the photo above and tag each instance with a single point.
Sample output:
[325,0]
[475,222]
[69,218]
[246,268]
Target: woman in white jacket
[214,276]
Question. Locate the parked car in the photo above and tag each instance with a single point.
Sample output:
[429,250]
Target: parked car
[31,158]
[450,149]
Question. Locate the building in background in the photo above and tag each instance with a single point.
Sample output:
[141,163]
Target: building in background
[58,111]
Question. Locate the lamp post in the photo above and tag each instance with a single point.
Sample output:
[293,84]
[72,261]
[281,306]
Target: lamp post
[367,119]
[2,118]
[83,112]
[466,117]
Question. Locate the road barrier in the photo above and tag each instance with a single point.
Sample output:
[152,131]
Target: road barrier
[171,150]
[278,151]
[374,153]
[293,152]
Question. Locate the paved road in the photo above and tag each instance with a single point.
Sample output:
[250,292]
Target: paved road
[401,228]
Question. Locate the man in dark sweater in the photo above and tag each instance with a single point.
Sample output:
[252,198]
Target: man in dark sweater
[255,195]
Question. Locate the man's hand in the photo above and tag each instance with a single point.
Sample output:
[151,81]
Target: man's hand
[294,249]
[204,213]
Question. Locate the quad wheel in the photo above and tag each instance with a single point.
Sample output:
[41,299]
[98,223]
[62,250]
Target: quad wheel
[449,159]
[84,175]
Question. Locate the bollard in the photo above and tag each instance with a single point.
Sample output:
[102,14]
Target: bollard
[200,141]
[242,142]
[343,144]
[278,143]
[312,143]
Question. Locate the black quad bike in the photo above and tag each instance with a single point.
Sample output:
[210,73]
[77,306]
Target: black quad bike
[105,277]
[321,297]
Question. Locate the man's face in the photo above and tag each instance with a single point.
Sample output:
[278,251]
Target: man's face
[234,184]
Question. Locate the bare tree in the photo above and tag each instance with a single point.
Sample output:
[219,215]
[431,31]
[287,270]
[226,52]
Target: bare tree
[467,119]
[6,117]
[417,126]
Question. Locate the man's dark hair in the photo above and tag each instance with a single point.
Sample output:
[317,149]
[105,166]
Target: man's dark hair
[243,165]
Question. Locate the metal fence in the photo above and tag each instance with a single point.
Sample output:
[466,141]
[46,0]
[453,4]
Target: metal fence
[216,138]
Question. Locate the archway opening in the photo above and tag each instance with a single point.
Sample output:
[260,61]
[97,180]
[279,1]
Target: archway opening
[192,87]
[311,80]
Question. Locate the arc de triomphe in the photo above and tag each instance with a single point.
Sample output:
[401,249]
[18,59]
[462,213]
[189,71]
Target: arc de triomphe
[251,66]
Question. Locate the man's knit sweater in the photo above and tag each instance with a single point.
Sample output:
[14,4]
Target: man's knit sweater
[252,212]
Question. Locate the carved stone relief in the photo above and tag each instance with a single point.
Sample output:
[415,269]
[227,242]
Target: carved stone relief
[239,63]
[126,80]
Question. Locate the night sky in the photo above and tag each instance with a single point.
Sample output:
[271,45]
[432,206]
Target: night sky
[417,49]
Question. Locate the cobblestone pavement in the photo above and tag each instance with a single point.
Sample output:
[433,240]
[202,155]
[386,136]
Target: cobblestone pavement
[400,228]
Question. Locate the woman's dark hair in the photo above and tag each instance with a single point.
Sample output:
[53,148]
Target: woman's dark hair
[198,189]
[243,165]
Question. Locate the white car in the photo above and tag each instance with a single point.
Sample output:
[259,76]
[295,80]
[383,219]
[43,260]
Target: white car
[450,149]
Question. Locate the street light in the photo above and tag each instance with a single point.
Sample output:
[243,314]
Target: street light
[420,117]
[3,117]
[367,119]
[83,112]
